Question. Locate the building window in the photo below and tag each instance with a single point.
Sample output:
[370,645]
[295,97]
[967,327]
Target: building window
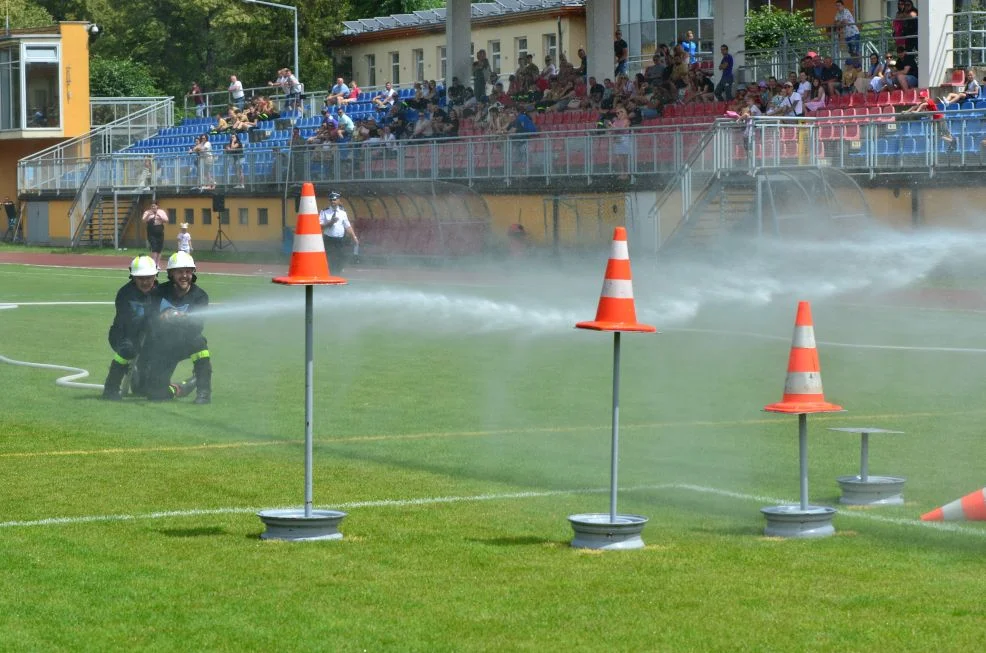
[244,216]
[41,79]
[223,216]
[371,70]
[10,88]
[494,50]
[261,216]
[190,216]
[395,67]
[206,216]
[520,50]
[418,58]
[442,62]
[173,215]
[550,44]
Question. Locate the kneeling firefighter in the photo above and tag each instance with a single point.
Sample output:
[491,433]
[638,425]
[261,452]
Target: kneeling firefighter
[174,333]
[127,331]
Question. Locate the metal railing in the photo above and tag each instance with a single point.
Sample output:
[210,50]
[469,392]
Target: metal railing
[83,202]
[63,166]
[875,37]
[968,39]
[104,110]
[872,144]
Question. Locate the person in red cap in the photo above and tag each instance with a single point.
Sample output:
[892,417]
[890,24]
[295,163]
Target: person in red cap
[938,123]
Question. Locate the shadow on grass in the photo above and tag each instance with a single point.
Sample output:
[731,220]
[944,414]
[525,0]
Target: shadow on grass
[205,531]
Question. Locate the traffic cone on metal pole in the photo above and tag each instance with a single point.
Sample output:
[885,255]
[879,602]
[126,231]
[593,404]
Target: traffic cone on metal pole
[803,385]
[802,395]
[971,507]
[616,310]
[309,264]
[309,267]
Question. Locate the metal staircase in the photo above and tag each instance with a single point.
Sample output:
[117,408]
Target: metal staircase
[111,215]
[728,202]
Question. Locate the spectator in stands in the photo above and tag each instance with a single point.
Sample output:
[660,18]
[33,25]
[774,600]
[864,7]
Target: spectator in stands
[817,97]
[550,70]
[236,92]
[620,126]
[970,92]
[897,25]
[338,92]
[234,152]
[221,126]
[146,174]
[804,85]
[907,69]
[583,68]
[849,76]
[910,22]
[928,105]
[456,92]
[790,104]
[690,47]
[482,75]
[499,96]
[198,98]
[346,125]
[521,128]
[724,89]
[531,69]
[203,150]
[293,87]
[655,72]
[847,24]
[871,78]
[354,93]
[385,99]
[831,77]
[621,52]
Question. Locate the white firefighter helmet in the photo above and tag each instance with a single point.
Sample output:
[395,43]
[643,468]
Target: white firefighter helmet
[143,266]
[181,260]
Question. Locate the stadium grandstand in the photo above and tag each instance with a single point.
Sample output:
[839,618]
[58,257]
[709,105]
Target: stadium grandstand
[676,158]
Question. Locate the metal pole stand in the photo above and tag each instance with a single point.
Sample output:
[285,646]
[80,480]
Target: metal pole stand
[222,241]
[865,489]
[308,524]
[610,531]
[803,520]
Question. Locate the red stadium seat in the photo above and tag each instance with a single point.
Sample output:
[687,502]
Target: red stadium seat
[883,97]
[897,97]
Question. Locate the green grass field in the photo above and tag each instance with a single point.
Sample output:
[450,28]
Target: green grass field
[459,425]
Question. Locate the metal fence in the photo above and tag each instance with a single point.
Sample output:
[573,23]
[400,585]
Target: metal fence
[104,110]
[63,166]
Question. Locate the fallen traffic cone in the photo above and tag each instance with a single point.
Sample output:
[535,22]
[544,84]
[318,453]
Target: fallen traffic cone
[309,264]
[803,386]
[616,310]
[971,507]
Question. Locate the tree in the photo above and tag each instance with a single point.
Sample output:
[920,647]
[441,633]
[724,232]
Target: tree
[768,27]
[110,77]
[372,8]
[25,13]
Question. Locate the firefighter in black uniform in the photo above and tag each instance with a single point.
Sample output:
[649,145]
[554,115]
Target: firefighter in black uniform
[127,331]
[174,333]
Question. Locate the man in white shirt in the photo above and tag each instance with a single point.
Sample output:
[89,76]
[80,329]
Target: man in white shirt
[791,105]
[386,98]
[236,92]
[335,228]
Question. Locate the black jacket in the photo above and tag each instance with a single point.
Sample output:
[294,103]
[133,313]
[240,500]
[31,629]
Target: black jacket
[132,309]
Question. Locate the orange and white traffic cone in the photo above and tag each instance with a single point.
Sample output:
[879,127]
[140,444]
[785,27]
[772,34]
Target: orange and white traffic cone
[971,507]
[803,386]
[309,264]
[616,310]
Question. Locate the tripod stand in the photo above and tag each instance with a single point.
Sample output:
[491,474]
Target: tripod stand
[222,241]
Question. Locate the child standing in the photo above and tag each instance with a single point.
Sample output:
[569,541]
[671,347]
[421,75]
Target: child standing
[184,239]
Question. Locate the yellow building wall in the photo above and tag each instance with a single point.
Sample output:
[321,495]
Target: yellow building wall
[75,79]
[11,151]
[573,37]
[582,220]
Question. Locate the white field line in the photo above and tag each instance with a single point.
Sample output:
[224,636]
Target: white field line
[950,527]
